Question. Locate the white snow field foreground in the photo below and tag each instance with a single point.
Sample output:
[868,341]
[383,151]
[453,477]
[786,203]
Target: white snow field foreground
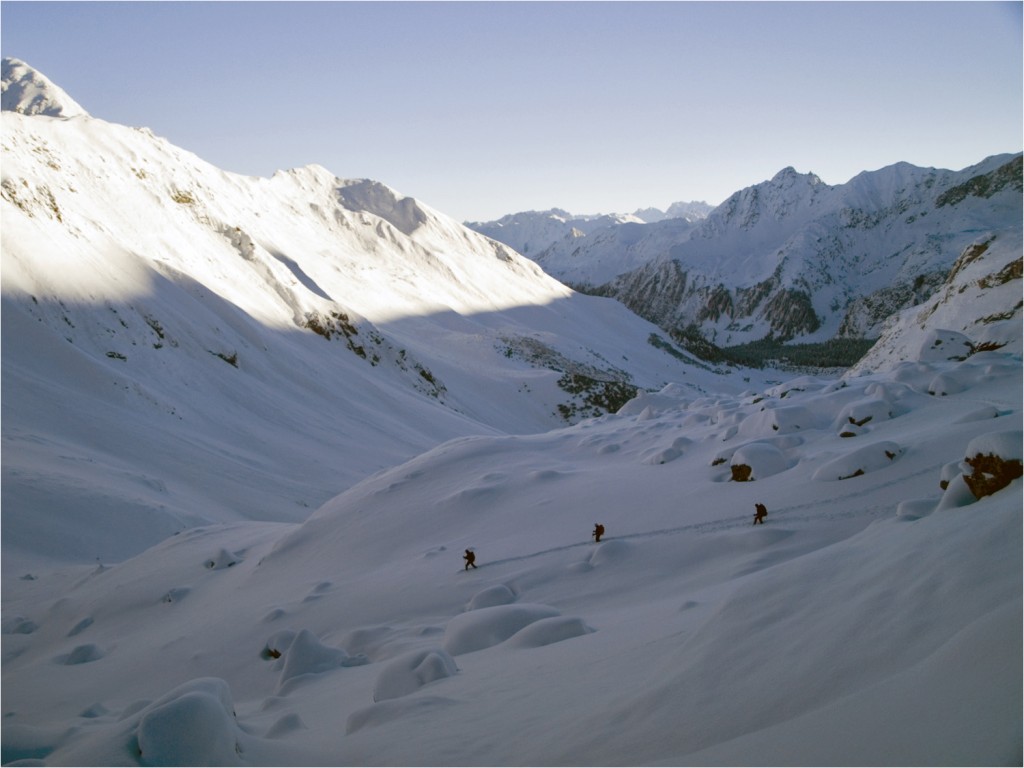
[872,620]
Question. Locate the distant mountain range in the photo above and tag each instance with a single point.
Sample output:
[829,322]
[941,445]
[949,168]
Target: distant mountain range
[534,233]
[791,258]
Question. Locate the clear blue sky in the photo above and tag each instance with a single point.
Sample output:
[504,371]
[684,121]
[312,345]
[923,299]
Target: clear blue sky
[482,109]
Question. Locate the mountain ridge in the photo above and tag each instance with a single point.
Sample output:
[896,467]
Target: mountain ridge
[795,259]
[28,91]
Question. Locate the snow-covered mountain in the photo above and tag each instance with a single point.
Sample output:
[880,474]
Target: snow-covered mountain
[233,339]
[553,238]
[796,259]
[530,232]
[25,90]
[977,308]
[198,357]
[692,210]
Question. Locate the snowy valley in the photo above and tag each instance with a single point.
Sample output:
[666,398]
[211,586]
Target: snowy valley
[250,427]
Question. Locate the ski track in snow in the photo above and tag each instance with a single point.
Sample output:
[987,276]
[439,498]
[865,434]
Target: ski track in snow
[724,524]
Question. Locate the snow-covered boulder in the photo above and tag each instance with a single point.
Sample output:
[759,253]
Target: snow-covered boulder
[499,594]
[870,458]
[223,559]
[863,411]
[83,654]
[666,454]
[192,725]
[548,631]
[757,461]
[995,462]
[956,495]
[941,344]
[483,628]
[410,672]
[306,655]
[782,420]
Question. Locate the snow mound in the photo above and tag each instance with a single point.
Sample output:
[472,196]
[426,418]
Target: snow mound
[784,419]
[548,631]
[408,673]
[947,383]
[756,461]
[870,458]
[957,494]
[476,630]
[863,411]
[1006,445]
[913,509]
[499,594]
[83,654]
[665,455]
[223,559]
[941,344]
[204,710]
[982,413]
[306,655]
[609,552]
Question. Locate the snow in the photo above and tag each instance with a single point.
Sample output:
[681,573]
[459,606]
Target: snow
[408,673]
[160,367]
[24,89]
[685,637]
[850,254]
[872,620]
[1006,445]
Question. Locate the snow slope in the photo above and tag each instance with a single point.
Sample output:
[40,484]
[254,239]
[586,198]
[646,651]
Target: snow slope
[978,307]
[183,345]
[873,620]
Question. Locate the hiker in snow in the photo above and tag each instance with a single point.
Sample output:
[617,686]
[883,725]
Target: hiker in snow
[598,531]
[760,514]
[470,558]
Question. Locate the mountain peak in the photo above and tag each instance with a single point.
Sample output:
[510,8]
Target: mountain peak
[29,92]
[789,175]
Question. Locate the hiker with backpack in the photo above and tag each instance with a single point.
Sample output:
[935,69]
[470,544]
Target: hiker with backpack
[598,531]
[760,514]
[470,558]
